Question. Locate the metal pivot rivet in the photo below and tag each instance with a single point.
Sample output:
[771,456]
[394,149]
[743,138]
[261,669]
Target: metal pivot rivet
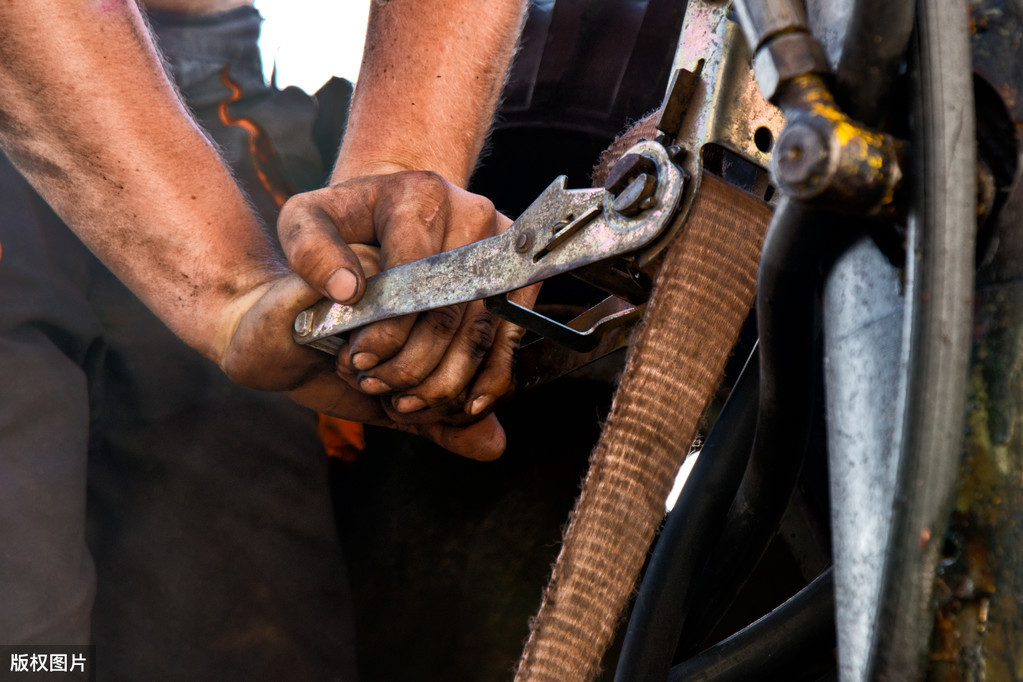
[304,323]
[522,242]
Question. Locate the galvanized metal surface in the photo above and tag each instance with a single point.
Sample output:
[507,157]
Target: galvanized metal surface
[829,22]
[866,348]
[562,230]
[863,309]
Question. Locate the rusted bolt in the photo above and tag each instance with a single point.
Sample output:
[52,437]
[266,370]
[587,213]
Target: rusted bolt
[632,183]
[802,158]
[304,323]
[637,196]
[627,168]
[522,242]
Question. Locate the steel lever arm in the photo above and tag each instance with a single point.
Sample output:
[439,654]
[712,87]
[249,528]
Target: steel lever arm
[561,231]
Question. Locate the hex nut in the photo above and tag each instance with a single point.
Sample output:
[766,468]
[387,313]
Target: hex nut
[786,57]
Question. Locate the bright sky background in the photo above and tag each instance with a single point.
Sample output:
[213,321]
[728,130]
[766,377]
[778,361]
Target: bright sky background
[312,40]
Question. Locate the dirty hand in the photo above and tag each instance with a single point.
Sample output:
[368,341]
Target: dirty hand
[258,352]
[449,364]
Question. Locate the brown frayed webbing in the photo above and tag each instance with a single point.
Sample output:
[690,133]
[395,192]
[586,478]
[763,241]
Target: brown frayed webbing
[704,291]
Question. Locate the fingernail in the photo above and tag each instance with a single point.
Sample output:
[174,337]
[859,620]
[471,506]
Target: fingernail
[373,385]
[363,361]
[479,404]
[342,285]
[409,403]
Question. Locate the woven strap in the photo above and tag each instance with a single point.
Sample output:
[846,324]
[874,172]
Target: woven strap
[704,292]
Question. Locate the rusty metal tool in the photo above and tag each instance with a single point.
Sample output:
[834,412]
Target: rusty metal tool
[564,229]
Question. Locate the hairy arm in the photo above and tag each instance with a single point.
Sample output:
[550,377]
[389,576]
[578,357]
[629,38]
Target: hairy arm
[90,119]
[431,76]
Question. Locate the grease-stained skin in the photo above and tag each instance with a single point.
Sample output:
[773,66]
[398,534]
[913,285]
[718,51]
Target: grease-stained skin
[82,87]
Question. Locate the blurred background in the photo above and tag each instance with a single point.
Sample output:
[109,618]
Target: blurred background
[308,41]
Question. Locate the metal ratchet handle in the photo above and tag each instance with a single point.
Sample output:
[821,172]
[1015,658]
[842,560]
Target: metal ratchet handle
[561,231]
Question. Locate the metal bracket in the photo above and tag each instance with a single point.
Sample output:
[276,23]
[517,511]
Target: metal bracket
[579,341]
[713,98]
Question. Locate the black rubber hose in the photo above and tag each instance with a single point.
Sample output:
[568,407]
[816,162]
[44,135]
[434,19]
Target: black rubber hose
[689,533]
[936,345]
[787,288]
[771,646]
[875,44]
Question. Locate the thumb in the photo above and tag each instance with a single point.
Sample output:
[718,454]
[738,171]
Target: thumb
[483,440]
[316,252]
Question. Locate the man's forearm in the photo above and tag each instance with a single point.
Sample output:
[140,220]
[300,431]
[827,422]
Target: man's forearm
[91,120]
[431,76]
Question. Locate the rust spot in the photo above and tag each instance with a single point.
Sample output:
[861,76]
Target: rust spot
[925,537]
